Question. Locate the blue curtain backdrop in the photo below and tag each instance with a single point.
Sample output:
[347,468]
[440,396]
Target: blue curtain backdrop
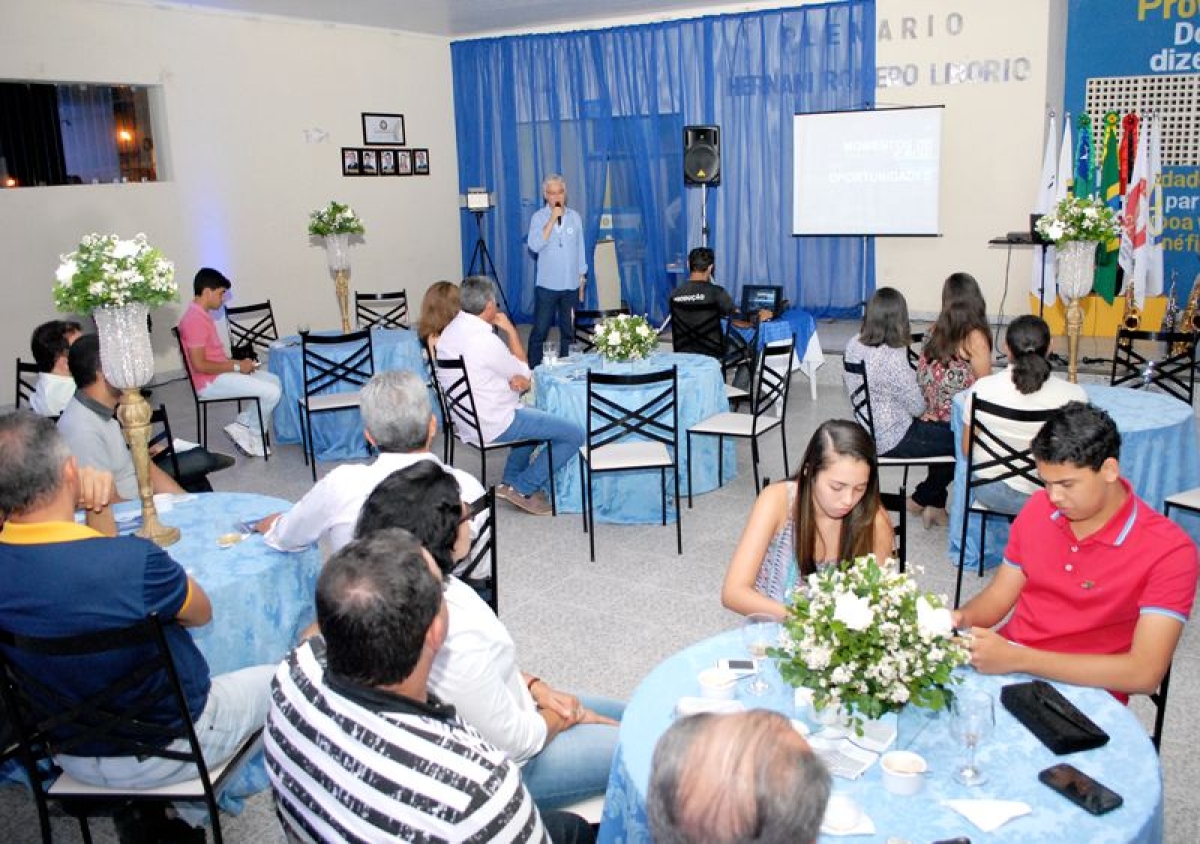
[606,108]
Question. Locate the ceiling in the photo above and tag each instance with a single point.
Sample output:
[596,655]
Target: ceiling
[456,18]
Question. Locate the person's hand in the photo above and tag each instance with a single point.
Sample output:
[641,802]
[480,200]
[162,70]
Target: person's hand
[557,212]
[956,619]
[991,653]
[764,315]
[590,717]
[500,320]
[582,288]
[266,523]
[564,705]
[519,383]
[96,489]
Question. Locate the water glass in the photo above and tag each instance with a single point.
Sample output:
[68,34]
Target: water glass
[550,352]
[575,350]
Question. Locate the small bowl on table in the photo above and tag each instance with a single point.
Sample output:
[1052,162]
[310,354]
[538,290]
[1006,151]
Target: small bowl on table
[903,771]
[717,683]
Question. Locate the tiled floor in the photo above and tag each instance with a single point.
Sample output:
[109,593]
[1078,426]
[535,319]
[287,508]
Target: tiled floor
[602,626]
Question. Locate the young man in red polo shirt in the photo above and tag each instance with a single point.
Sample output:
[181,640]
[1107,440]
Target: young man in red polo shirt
[1100,584]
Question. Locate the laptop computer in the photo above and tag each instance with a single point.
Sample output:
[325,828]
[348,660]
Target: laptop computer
[758,297]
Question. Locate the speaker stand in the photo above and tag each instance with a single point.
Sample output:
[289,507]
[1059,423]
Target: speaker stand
[704,214]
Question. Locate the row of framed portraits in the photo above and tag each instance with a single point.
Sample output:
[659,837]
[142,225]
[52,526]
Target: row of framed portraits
[384,162]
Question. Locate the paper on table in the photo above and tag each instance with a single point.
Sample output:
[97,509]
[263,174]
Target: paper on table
[989,815]
[841,756]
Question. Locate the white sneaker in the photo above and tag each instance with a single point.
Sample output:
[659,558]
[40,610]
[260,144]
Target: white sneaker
[257,449]
[240,435]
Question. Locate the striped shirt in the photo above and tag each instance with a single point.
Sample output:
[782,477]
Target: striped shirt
[349,763]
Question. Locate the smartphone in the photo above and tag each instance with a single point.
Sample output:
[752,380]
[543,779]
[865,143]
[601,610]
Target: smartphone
[740,667]
[1081,789]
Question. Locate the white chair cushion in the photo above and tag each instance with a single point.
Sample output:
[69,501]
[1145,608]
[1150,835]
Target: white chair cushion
[628,455]
[188,789]
[732,392]
[915,461]
[334,401]
[734,424]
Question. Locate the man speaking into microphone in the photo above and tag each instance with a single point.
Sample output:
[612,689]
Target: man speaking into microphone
[556,239]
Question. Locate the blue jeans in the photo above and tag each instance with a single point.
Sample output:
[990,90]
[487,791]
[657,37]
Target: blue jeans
[548,304]
[1001,497]
[526,476]
[928,439]
[575,764]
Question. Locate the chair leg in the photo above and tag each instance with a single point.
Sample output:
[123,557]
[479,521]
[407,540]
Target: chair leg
[583,488]
[689,468]
[550,464]
[662,488]
[312,444]
[678,512]
[962,548]
[1160,716]
[262,431]
[591,517]
[720,460]
[85,831]
[783,436]
[754,462]
[202,423]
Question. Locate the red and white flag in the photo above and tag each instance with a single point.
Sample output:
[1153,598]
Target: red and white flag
[1135,223]
[1155,276]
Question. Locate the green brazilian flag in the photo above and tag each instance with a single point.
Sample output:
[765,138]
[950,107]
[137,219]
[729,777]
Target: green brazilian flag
[1110,193]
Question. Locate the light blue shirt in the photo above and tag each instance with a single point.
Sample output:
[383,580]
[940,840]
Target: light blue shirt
[560,258]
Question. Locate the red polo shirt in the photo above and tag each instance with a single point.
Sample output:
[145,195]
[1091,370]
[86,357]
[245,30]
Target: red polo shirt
[1086,596]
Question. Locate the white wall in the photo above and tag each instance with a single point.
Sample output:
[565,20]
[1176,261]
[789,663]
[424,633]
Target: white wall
[240,178]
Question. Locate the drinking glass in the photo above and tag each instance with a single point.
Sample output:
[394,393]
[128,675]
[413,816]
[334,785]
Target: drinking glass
[759,632]
[972,718]
[575,350]
[550,352]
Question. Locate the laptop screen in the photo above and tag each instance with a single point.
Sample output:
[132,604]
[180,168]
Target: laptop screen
[758,297]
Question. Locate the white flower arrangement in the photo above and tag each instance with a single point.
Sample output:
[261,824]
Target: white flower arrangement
[334,218]
[863,637]
[1079,218]
[107,272]
[625,337]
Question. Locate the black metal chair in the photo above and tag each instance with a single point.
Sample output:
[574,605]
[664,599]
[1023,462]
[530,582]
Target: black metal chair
[1173,372]
[768,391]
[625,439]
[251,328]
[331,363]
[997,461]
[698,328]
[447,421]
[479,570]
[202,403]
[586,323]
[1188,500]
[460,406]
[45,716]
[381,310]
[915,347]
[164,442]
[860,401]
[27,377]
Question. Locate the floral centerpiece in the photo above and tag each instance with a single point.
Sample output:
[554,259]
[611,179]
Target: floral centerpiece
[1079,218]
[334,218]
[863,637]
[107,272]
[625,337]
[334,224]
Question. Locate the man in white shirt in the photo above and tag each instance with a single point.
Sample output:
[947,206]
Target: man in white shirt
[55,386]
[398,420]
[499,373]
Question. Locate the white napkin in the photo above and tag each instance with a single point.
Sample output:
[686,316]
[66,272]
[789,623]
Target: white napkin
[989,815]
[839,806]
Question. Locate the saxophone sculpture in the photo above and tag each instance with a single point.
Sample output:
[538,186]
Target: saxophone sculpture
[1170,321]
[1190,321]
[1132,318]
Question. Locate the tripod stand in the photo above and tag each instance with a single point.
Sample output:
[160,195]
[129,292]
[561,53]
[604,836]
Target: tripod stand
[481,254]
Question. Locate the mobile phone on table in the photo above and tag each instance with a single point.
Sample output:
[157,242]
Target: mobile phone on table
[1081,789]
[740,667]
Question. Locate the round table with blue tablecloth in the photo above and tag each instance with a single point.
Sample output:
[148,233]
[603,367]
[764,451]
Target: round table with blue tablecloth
[1012,756]
[337,436]
[634,497]
[1159,456]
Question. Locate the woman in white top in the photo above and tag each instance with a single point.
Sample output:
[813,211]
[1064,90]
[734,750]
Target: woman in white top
[563,743]
[1027,384]
[827,513]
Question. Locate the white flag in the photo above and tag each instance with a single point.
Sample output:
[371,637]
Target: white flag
[1135,221]
[1042,280]
[1155,276]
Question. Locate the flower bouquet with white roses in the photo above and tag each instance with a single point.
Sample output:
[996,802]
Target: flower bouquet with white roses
[1079,218]
[334,218]
[625,337]
[107,272]
[863,637]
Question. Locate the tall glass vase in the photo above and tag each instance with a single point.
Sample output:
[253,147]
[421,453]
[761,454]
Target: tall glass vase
[1076,272]
[337,251]
[127,359]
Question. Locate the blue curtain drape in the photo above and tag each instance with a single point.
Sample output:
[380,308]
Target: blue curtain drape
[606,109]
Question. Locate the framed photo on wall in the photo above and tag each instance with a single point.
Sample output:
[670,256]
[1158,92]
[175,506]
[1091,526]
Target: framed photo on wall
[421,162]
[370,164]
[404,162]
[350,162]
[387,162]
[383,129]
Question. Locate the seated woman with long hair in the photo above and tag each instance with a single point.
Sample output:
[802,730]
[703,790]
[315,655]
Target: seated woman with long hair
[958,349]
[439,305]
[828,512]
[1027,384]
[897,403]
[564,744]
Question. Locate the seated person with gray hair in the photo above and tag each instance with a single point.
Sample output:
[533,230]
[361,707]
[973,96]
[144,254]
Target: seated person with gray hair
[358,748]
[728,779]
[398,420]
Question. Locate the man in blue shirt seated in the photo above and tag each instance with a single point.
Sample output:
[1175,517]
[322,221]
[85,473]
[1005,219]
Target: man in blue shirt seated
[59,578]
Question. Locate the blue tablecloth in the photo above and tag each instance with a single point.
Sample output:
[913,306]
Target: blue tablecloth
[1159,456]
[337,436]
[800,324]
[634,497]
[1012,756]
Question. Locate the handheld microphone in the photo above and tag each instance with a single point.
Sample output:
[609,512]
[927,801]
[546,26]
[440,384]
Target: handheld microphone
[560,219]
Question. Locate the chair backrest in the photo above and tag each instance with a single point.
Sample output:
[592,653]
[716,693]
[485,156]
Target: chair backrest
[251,326]
[586,322]
[696,329]
[1173,371]
[381,310]
[860,395]
[457,395]
[349,360]
[187,362]
[479,569]
[741,343]
[772,378]
[27,374]
[915,348]
[610,420]
[988,452]
[159,417]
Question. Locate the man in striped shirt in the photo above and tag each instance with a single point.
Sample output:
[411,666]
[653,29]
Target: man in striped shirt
[357,749]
